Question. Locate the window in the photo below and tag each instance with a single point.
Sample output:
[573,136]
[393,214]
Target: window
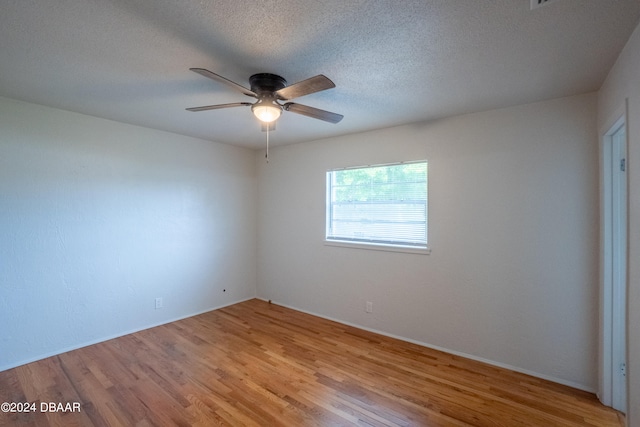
[378,205]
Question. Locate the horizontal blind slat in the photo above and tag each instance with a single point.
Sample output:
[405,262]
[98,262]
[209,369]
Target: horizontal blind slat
[384,204]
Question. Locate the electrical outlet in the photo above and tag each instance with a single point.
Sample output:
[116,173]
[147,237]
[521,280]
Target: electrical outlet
[369,307]
[158,303]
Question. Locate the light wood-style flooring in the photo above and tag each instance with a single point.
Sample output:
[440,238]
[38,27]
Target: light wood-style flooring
[259,364]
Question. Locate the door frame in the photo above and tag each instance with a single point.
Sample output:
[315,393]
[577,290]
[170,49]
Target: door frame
[612,300]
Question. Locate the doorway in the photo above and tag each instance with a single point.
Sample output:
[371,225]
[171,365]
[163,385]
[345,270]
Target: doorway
[614,304]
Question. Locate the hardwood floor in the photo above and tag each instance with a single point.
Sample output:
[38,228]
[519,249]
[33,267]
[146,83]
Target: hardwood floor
[258,364]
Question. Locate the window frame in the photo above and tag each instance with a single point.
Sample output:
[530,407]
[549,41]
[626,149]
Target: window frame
[374,245]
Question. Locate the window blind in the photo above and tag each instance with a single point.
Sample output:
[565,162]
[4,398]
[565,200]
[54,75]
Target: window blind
[384,204]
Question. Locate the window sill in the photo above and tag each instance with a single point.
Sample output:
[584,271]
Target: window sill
[378,247]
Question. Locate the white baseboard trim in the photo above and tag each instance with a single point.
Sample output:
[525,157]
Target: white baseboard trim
[110,337]
[446,350]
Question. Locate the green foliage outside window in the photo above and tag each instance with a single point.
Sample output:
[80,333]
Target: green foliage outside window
[402,182]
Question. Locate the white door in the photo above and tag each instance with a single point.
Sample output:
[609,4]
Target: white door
[619,267]
[613,389]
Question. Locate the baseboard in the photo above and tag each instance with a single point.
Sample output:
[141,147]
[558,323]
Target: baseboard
[376,331]
[110,337]
[446,350]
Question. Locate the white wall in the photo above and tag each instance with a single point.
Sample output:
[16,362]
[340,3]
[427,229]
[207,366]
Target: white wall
[99,218]
[623,83]
[513,211]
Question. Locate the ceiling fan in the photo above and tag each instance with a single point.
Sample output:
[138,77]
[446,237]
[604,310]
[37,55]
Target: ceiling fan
[269,90]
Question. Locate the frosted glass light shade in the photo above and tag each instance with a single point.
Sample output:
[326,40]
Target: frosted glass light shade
[266,112]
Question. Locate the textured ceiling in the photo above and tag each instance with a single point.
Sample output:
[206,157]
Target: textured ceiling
[393,62]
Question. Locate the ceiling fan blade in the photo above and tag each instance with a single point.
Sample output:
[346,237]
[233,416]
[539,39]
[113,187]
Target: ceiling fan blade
[218,78]
[218,106]
[316,113]
[305,87]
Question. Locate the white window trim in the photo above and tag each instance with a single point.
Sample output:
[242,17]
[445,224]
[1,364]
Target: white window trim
[376,246]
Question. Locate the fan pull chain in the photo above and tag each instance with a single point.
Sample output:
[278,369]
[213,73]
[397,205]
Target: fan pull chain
[266,156]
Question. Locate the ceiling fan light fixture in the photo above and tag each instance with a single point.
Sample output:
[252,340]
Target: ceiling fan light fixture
[269,89]
[266,113]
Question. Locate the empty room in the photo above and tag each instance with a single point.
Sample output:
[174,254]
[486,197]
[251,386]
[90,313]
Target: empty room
[320,213]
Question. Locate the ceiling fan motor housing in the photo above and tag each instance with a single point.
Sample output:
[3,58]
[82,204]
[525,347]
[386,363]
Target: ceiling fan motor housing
[266,83]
